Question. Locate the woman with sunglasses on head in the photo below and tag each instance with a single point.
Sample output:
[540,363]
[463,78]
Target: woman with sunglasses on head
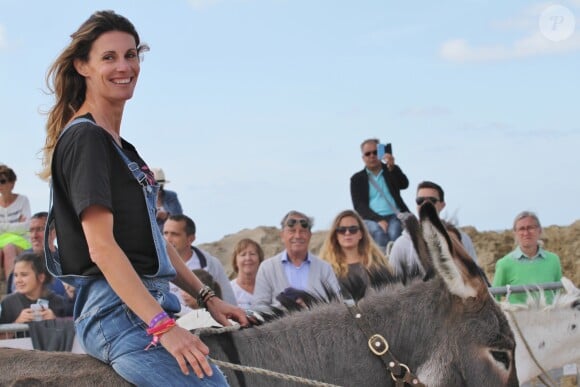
[14,220]
[104,202]
[355,258]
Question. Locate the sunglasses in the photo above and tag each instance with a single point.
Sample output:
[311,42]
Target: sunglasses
[350,229]
[303,222]
[3,181]
[367,154]
[421,199]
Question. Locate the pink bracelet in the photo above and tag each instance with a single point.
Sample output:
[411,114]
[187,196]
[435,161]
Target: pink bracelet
[158,317]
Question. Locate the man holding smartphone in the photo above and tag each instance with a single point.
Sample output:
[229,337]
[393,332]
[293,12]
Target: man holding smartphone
[375,192]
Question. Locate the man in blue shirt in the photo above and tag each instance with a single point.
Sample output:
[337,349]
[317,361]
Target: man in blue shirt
[295,267]
[379,201]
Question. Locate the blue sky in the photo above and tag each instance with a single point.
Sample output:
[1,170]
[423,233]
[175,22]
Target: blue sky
[256,107]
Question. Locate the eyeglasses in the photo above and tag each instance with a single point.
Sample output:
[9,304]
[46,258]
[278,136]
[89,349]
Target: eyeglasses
[421,199]
[522,230]
[350,229]
[367,154]
[303,222]
[3,181]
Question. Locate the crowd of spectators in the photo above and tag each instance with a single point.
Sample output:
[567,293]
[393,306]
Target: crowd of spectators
[367,239]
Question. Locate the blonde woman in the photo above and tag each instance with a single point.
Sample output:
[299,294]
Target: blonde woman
[352,253]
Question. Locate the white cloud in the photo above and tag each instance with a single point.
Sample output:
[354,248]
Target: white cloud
[425,111]
[459,50]
[203,4]
[534,43]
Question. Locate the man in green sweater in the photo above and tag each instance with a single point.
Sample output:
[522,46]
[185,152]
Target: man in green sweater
[529,263]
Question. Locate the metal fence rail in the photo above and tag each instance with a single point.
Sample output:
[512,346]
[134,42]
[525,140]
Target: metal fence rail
[13,331]
[501,290]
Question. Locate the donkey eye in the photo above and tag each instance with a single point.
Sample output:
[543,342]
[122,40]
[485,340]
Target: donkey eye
[501,357]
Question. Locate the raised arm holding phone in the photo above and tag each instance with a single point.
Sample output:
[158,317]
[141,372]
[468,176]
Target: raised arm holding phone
[375,192]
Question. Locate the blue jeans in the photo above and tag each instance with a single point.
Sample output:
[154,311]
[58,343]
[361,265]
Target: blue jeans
[111,332]
[381,237]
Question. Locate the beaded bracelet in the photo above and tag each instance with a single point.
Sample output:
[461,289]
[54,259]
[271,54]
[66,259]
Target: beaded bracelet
[158,317]
[204,295]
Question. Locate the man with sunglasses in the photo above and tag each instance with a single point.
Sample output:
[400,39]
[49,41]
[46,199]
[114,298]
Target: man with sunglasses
[403,256]
[293,268]
[376,193]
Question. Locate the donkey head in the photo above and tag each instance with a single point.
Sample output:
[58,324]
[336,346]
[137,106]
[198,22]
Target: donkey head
[479,342]
[547,336]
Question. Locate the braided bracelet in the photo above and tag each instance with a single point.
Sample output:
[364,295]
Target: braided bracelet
[158,330]
[158,317]
[204,295]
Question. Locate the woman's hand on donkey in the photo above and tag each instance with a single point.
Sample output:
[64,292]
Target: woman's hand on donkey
[188,350]
[222,312]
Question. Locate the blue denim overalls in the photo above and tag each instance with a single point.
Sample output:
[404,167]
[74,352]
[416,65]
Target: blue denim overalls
[108,330]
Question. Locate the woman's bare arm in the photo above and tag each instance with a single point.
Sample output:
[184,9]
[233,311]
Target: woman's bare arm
[97,223]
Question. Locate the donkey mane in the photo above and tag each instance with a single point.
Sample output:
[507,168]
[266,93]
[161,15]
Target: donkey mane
[354,288]
[560,301]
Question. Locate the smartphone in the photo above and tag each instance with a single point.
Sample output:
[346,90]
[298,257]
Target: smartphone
[382,149]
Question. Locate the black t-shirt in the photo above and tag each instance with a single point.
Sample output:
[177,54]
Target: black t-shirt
[87,170]
[14,303]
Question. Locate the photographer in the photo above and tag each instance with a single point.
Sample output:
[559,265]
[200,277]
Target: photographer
[375,192]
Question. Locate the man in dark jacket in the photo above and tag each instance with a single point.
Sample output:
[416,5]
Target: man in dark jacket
[378,204]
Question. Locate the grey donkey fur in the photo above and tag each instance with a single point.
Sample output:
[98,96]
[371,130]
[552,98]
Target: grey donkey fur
[448,330]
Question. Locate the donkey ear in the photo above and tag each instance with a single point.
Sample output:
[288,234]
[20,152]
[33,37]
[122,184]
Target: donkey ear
[570,287]
[414,229]
[448,257]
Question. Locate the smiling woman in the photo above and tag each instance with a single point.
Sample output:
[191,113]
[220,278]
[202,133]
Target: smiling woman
[26,304]
[119,264]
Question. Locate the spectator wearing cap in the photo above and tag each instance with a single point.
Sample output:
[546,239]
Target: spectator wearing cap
[295,267]
[167,202]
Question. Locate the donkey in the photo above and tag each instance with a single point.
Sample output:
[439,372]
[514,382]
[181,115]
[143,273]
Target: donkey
[447,331]
[547,336]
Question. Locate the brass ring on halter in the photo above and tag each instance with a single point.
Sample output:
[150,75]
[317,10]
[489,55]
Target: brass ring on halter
[378,345]
[402,378]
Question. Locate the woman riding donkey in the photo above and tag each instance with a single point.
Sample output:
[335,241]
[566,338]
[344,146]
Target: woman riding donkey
[110,246]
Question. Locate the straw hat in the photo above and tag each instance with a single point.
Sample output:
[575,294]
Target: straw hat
[159,175]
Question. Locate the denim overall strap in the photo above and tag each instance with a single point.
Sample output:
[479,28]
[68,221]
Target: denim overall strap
[53,261]
[150,194]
